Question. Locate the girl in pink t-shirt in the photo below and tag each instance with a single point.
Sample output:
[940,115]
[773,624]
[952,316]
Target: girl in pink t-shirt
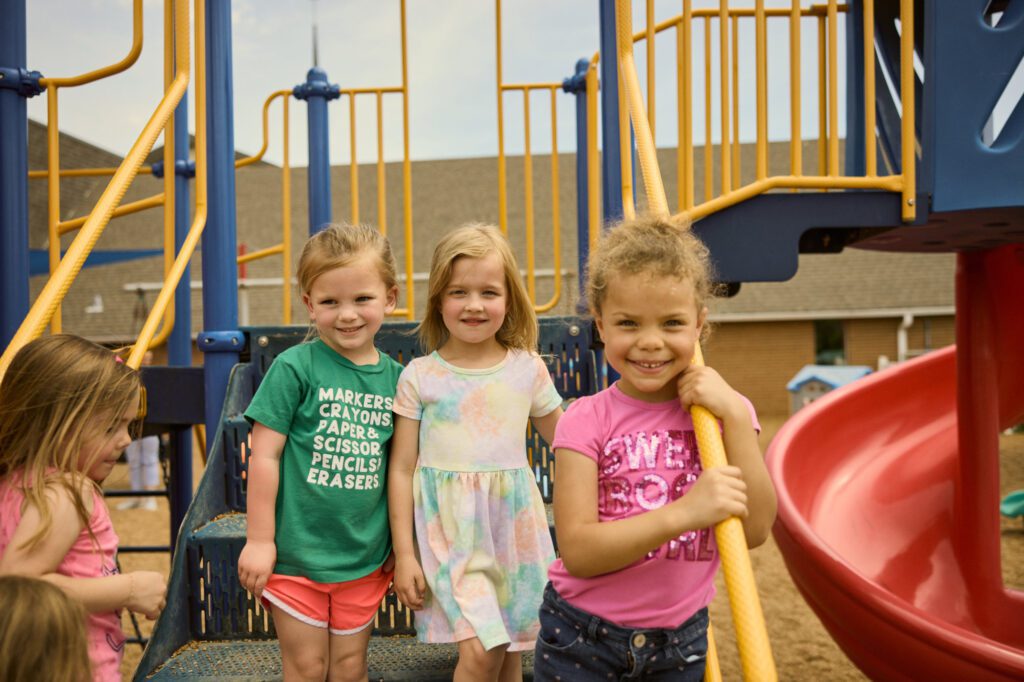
[66,405]
[634,511]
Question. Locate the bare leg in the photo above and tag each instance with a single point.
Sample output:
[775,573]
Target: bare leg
[477,664]
[348,656]
[512,668]
[304,648]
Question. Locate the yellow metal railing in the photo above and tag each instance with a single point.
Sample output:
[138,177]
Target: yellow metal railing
[177,266]
[64,270]
[529,228]
[52,173]
[825,18]
[284,248]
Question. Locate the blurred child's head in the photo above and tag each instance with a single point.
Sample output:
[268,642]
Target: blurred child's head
[67,406]
[42,633]
[518,327]
[347,277]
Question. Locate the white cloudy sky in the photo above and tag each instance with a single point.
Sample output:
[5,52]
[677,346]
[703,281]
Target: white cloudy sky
[451,70]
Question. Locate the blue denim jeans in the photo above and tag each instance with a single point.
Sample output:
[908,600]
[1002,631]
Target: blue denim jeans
[574,645]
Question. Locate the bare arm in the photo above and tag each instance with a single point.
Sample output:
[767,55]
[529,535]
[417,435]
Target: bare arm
[140,591]
[590,547]
[545,425]
[704,386]
[256,562]
[410,584]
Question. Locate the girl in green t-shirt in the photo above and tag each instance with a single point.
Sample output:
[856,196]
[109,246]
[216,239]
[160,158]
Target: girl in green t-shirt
[318,547]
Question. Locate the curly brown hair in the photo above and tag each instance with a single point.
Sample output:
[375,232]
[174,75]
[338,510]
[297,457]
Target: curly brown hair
[653,246]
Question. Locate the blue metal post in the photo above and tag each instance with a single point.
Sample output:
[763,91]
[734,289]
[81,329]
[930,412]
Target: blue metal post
[16,83]
[611,160]
[317,91]
[179,346]
[220,340]
[577,85]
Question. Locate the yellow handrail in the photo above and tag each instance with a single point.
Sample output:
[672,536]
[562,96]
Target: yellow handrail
[118,67]
[751,634]
[258,156]
[49,299]
[177,268]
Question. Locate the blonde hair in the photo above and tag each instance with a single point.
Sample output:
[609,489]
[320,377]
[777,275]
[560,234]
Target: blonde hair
[42,633]
[336,246]
[519,329]
[58,391]
[652,246]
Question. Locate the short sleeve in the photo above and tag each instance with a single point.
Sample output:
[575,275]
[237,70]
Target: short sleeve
[545,396]
[407,394]
[278,396]
[753,413]
[577,429]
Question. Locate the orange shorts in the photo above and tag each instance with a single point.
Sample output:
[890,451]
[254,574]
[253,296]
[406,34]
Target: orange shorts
[345,608]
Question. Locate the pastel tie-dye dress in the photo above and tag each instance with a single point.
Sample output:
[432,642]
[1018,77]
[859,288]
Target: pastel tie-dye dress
[480,524]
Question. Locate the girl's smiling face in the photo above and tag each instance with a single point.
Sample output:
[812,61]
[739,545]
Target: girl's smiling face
[650,326]
[102,445]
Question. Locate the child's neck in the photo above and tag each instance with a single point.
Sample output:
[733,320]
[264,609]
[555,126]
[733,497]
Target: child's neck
[472,355]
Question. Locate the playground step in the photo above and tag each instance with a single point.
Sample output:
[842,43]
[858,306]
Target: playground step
[400,659]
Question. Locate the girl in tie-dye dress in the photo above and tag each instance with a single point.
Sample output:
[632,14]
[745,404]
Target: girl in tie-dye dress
[458,471]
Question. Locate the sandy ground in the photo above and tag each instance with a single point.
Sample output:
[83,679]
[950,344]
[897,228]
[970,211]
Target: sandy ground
[802,648]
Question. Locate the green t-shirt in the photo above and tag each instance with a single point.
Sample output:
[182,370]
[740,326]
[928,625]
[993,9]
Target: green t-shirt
[331,511]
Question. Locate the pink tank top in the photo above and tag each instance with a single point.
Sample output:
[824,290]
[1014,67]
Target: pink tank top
[85,559]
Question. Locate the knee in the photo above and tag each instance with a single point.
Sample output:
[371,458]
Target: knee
[348,667]
[480,662]
[309,666]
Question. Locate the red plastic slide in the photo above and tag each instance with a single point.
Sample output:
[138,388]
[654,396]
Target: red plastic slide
[889,497]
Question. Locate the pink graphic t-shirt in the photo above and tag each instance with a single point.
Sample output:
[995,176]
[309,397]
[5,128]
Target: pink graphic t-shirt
[646,455]
[85,559]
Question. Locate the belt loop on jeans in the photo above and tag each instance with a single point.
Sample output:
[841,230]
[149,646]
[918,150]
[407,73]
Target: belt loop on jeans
[592,626]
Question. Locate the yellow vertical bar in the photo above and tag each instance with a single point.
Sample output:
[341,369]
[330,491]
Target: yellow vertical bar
[502,191]
[822,100]
[708,180]
[382,209]
[556,218]
[531,284]
[286,219]
[735,102]
[682,167]
[353,167]
[170,171]
[625,148]
[870,145]
[723,57]
[407,176]
[795,141]
[687,116]
[53,189]
[760,42]
[908,134]
[833,89]
[593,164]
[650,64]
